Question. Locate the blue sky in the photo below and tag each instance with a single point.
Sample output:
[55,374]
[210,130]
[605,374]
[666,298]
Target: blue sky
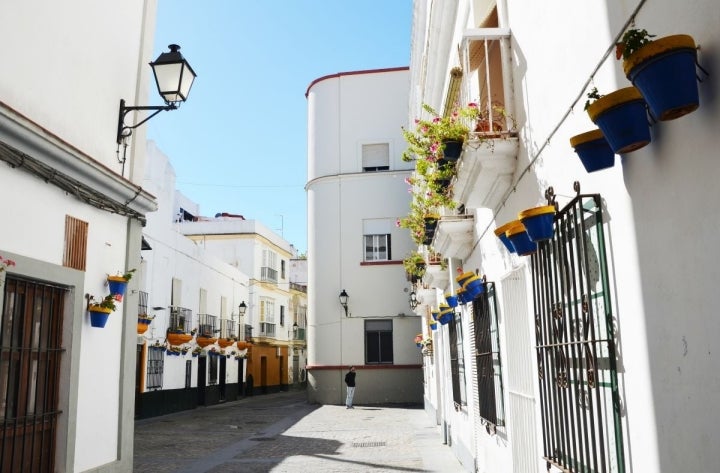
[239,143]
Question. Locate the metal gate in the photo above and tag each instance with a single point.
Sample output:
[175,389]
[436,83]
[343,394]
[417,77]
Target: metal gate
[30,356]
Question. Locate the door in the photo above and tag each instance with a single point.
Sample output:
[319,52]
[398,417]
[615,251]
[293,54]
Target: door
[263,374]
[138,378]
[241,377]
[30,357]
[202,379]
[223,367]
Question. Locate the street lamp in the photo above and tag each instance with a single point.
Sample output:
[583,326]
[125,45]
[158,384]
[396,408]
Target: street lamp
[344,301]
[413,300]
[173,77]
[242,308]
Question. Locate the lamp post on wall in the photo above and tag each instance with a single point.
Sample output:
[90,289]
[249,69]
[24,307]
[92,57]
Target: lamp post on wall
[344,301]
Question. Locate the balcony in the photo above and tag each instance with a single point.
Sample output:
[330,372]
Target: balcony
[267,330]
[485,171]
[207,325]
[436,276]
[454,236]
[299,334]
[268,275]
[180,318]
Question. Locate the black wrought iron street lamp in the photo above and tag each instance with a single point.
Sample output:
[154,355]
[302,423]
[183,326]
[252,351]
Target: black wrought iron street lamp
[344,301]
[174,78]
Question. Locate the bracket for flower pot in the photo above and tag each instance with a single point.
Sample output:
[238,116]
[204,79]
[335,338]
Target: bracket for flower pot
[664,73]
[622,117]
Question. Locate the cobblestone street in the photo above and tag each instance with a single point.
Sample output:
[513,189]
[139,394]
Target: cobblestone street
[281,433]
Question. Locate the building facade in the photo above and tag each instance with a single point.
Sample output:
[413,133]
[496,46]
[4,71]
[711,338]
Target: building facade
[589,351]
[355,194]
[72,216]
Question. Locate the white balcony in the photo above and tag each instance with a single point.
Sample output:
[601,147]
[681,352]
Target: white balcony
[454,236]
[436,277]
[485,171]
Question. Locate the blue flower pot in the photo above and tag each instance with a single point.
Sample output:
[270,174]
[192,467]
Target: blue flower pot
[435,315]
[117,286]
[446,318]
[433,326]
[622,118]
[538,222]
[500,233]
[664,73]
[98,319]
[593,150]
[521,240]
[451,300]
[473,288]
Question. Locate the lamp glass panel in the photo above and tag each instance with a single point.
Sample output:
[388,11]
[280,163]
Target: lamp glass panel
[167,77]
[186,81]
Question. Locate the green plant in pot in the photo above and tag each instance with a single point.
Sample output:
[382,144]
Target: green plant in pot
[663,70]
[432,137]
[414,265]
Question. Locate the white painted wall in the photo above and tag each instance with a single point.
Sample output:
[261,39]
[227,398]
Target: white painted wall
[654,197]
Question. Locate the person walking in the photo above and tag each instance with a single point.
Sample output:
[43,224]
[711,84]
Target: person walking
[350,382]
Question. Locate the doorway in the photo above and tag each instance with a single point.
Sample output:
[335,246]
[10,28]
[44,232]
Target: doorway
[202,379]
[263,374]
[223,367]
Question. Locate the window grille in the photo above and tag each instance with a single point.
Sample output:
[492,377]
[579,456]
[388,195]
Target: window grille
[457,361]
[579,398]
[378,342]
[227,328]
[487,357]
[31,352]
[76,233]
[267,330]
[142,303]
[155,367]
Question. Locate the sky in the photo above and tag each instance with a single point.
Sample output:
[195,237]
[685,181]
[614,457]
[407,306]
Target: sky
[239,143]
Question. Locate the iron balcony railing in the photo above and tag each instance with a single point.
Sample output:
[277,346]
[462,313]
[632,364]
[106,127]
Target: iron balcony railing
[180,319]
[299,334]
[207,325]
[267,330]
[142,303]
[268,275]
[227,328]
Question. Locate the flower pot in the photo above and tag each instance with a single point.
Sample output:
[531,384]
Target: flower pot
[431,223]
[435,315]
[622,117]
[462,296]
[142,327]
[538,222]
[242,344]
[98,315]
[520,239]
[205,341]
[664,73]
[178,338]
[451,300]
[500,233]
[473,287]
[117,286]
[225,342]
[452,150]
[462,278]
[433,326]
[593,149]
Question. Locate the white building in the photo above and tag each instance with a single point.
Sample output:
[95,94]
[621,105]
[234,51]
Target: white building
[72,215]
[596,352]
[185,288]
[356,192]
[274,321]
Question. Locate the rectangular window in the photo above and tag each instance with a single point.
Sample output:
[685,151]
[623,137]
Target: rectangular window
[376,157]
[282,315]
[76,233]
[188,373]
[212,369]
[457,361]
[267,310]
[282,269]
[487,357]
[378,342]
[155,366]
[377,247]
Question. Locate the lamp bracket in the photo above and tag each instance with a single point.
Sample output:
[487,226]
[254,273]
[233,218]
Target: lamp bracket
[123,131]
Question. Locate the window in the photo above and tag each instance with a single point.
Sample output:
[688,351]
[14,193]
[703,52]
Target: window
[378,341]
[487,357]
[188,373]
[76,232]
[579,399]
[282,269]
[212,369]
[376,157]
[268,270]
[457,361]
[155,366]
[377,247]
[267,310]
[282,315]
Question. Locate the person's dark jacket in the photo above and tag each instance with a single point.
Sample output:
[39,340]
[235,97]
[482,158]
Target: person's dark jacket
[350,379]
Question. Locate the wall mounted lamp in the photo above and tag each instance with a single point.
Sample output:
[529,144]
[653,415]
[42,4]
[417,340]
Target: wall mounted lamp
[344,301]
[173,76]
[413,300]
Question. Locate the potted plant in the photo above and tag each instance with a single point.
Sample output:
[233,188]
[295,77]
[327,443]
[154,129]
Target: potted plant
[227,341]
[100,310]
[414,265]
[196,352]
[593,149]
[118,284]
[622,117]
[663,70]
[143,323]
[440,137]
[4,264]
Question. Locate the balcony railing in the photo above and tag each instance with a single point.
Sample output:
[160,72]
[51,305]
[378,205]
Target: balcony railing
[180,318]
[267,330]
[207,325]
[142,303]
[299,334]
[268,275]
[247,331]
[227,328]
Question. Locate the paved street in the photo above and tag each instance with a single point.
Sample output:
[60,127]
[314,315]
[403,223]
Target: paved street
[283,433]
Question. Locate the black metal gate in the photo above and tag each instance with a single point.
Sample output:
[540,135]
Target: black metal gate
[576,355]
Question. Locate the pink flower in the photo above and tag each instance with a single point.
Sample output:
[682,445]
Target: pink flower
[472,105]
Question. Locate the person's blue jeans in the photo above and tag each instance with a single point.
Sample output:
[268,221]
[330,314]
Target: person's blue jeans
[350,394]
